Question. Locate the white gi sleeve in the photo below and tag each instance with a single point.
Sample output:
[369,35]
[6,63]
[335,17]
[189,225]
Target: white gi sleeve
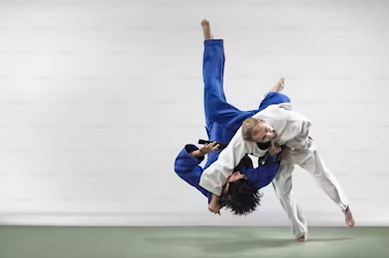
[215,176]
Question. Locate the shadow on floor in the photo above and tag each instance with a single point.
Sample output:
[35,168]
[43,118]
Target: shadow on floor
[231,244]
[221,245]
[327,239]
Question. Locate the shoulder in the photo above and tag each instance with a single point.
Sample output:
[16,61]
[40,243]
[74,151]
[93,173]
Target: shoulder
[299,118]
[282,108]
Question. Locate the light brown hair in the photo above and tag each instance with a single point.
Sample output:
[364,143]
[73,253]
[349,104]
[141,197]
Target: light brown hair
[248,128]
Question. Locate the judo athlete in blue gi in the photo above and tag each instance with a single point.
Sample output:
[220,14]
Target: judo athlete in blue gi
[222,121]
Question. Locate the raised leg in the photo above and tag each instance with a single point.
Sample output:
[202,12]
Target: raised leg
[215,104]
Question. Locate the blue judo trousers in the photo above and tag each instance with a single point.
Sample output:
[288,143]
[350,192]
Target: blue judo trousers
[222,121]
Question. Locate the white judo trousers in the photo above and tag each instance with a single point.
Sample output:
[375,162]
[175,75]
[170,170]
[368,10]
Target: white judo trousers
[309,160]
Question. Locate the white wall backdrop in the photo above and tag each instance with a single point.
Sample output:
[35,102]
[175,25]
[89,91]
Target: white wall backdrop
[97,99]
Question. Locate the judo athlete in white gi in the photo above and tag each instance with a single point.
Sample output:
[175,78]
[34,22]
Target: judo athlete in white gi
[283,127]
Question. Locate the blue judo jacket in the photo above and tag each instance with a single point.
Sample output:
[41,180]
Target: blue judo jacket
[188,168]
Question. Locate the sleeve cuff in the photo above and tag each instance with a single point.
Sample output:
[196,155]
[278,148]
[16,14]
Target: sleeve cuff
[189,148]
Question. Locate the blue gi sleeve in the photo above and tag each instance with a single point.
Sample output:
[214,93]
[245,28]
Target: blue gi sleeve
[187,167]
[264,174]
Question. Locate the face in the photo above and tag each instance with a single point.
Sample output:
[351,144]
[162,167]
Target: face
[233,177]
[262,132]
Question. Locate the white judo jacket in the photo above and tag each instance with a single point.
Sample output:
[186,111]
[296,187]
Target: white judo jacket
[291,127]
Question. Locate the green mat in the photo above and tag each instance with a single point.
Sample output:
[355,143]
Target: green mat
[112,242]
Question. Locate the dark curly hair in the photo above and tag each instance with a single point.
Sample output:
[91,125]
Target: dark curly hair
[242,197]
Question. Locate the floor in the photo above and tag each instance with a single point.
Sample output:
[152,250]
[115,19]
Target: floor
[112,242]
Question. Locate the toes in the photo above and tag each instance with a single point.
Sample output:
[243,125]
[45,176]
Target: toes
[350,223]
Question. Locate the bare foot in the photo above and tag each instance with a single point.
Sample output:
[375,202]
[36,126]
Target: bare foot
[302,239]
[206,29]
[349,217]
[279,86]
